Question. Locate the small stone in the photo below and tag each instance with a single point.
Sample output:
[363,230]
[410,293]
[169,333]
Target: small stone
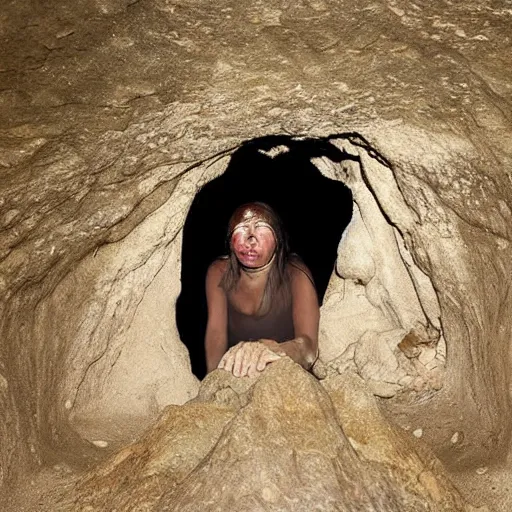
[482,470]
[383,389]
[418,433]
[100,444]
[68,404]
[399,12]
[65,33]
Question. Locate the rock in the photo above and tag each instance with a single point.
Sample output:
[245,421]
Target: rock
[100,443]
[163,457]
[108,132]
[293,446]
[376,440]
[418,433]
[375,356]
[458,437]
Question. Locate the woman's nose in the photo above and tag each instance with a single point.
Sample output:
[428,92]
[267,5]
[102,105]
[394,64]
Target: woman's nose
[251,240]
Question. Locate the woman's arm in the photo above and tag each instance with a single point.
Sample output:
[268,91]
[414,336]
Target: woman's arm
[303,349]
[250,358]
[216,337]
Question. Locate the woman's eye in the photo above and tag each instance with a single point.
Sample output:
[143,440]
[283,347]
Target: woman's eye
[240,230]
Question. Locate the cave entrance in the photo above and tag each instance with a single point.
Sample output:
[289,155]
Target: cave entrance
[276,170]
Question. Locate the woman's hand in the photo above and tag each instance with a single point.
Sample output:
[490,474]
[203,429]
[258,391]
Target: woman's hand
[250,357]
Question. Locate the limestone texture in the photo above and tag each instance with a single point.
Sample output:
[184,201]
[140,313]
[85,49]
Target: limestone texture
[278,442]
[114,113]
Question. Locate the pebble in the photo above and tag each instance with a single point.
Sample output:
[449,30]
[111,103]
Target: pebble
[65,33]
[482,470]
[100,444]
[418,433]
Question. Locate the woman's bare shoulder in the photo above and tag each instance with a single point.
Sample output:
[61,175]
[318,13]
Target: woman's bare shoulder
[298,269]
[218,267]
[295,264]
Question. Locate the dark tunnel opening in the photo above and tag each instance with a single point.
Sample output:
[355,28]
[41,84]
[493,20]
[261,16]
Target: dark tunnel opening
[276,170]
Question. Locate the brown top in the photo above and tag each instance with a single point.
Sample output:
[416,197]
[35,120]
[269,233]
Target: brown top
[275,325]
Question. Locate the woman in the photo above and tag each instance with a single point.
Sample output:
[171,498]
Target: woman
[262,303]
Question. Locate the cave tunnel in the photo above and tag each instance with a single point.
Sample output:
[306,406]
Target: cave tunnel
[115,113]
[276,170]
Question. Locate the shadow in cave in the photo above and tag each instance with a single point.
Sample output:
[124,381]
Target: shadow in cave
[276,170]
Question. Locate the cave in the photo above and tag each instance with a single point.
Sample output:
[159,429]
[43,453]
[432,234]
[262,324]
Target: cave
[118,118]
[276,170]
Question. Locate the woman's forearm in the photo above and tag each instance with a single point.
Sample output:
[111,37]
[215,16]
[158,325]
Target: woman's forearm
[215,347]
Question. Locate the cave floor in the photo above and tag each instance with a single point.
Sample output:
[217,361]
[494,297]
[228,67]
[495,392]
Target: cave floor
[44,490]
[492,488]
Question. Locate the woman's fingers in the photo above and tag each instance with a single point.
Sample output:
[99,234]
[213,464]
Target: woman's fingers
[247,358]
[238,360]
[228,359]
[266,357]
[250,349]
[251,370]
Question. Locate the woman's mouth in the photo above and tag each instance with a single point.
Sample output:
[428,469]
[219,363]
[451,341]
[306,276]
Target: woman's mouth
[248,256]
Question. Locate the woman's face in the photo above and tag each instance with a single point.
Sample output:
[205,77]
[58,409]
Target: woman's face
[253,240]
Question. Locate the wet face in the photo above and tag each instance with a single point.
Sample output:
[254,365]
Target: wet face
[252,239]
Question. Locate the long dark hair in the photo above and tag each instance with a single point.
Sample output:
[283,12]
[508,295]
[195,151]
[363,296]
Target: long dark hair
[278,277]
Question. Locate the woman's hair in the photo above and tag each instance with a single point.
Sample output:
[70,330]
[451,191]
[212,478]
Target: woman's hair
[278,276]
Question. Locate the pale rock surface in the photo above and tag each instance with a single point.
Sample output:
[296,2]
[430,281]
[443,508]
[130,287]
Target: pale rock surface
[276,442]
[107,106]
[383,297]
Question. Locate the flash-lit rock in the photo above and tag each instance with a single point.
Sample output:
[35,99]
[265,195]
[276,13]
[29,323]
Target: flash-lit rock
[114,114]
[268,454]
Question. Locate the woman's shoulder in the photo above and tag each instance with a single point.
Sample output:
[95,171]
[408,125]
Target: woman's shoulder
[218,267]
[298,269]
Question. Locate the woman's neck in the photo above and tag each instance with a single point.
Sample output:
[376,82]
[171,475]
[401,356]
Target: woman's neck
[258,272]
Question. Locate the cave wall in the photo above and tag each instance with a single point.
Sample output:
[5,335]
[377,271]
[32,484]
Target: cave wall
[440,250]
[109,106]
[123,360]
[381,313]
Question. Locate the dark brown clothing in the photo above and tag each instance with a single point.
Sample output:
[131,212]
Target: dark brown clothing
[275,325]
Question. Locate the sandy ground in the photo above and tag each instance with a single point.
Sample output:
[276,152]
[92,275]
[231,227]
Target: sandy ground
[487,486]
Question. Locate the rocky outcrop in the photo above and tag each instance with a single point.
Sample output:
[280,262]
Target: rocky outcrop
[279,442]
[113,115]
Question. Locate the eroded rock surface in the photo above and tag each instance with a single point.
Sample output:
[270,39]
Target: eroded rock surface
[113,113]
[279,442]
